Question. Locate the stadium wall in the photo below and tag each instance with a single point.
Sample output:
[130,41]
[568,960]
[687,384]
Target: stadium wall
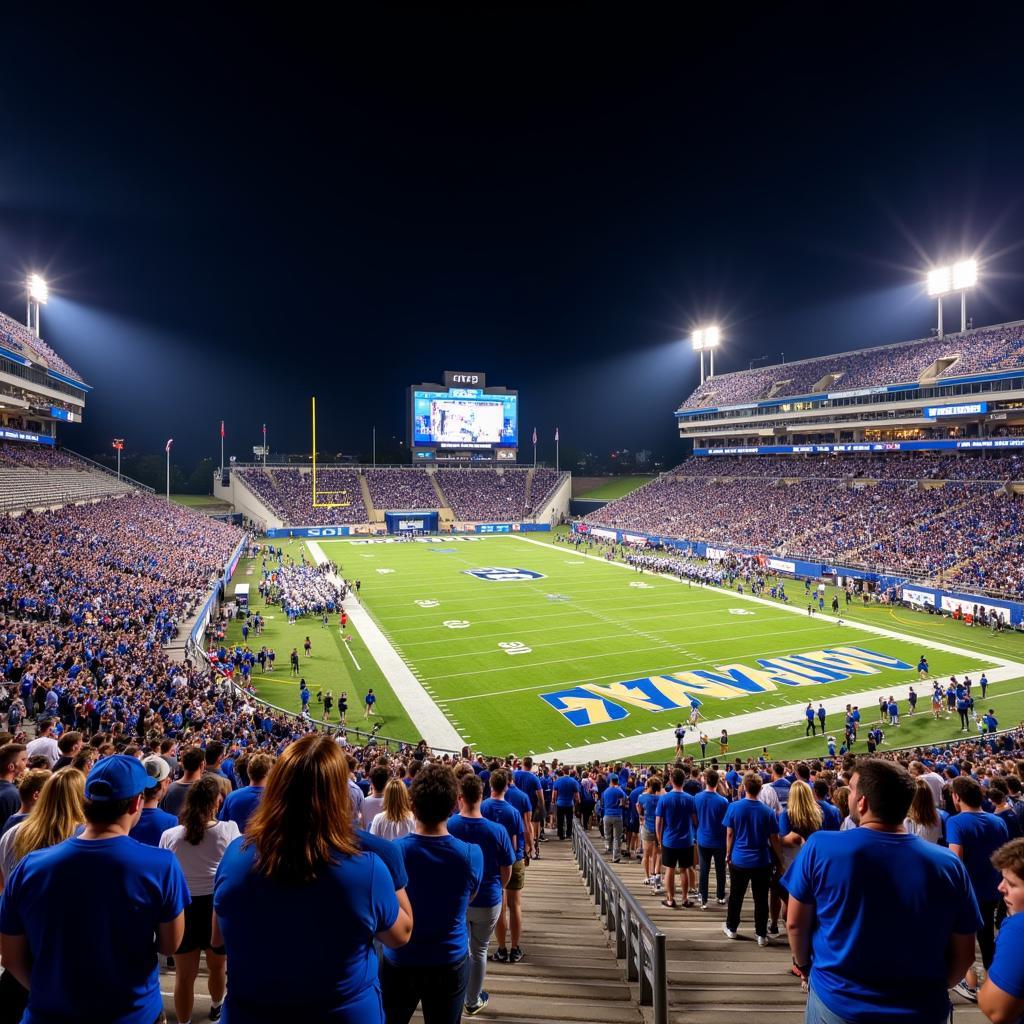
[244,501]
[556,506]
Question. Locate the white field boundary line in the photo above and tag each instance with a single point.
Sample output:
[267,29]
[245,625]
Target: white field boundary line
[429,719]
[787,714]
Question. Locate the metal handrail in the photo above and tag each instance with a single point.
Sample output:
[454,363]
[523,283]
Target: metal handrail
[123,477]
[638,940]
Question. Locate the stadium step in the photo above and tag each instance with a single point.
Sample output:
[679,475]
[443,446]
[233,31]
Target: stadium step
[709,973]
[569,974]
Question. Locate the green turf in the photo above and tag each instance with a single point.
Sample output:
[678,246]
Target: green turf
[599,628]
[330,666]
[615,487]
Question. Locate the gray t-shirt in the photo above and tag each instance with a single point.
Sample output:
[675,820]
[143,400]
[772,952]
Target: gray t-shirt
[174,799]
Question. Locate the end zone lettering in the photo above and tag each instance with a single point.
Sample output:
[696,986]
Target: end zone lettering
[591,703]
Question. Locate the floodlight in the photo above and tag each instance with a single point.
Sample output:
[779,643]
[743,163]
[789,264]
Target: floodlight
[711,337]
[965,275]
[939,281]
[698,341]
[37,289]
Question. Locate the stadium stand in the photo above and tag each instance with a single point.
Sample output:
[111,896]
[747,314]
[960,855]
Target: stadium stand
[289,494]
[935,358]
[36,477]
[482,494]
[963,531]
[18,337]
[392,489]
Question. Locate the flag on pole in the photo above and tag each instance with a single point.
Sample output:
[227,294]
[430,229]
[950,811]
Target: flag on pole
[167,447]
[556,433]
[534,435]
[221,428]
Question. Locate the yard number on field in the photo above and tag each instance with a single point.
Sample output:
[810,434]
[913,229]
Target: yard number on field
[427,604]
[515,647]
[455,623]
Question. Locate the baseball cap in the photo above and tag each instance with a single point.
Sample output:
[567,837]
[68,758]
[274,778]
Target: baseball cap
[157,767]
[117,777]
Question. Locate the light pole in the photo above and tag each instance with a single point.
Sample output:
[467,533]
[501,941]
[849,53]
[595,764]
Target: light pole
[38,293]
[706,339]
[167,448]
[957,278]
[118,447]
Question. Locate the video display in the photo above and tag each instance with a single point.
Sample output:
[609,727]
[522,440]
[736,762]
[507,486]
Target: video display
[465,418]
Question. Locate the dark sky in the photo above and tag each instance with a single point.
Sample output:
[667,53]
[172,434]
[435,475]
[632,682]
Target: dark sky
[235,214]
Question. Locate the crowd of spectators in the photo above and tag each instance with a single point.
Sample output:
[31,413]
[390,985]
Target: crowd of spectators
[896,466]
[18,455]
[973,352]
[289,494]
[962,533]
[485,494]
[18,337]
[543,484]
[400,489]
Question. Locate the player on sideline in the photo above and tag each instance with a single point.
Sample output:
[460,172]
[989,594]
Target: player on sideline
[680,738]
[369,700]
[694,712]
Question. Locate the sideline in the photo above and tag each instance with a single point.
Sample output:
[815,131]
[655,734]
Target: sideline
[429,719]
[787,715]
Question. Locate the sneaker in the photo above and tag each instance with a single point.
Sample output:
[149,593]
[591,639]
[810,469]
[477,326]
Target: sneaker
[616,860]
[543,838]
[536,854]
[472,1011]
[515,954]
[500,955]
[728,934]
[773,929]
[721,902]
[762,940]
[704,905]
[965,990]
[215,1010]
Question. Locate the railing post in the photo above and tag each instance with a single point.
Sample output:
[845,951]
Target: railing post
[660,980]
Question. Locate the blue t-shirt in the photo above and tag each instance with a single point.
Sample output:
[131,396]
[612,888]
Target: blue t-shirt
[444,874]
[648,804]
[980,835]
[1007,970]
[152,824]
[676,810]
[496,847]
[711,808]
[125,890]
[337,916]
[566,789]
[752,822]
[520,801]
[502,812]
[859,928]
[239,806]
[389,852]
[612,799]
[527,783]
[831,816]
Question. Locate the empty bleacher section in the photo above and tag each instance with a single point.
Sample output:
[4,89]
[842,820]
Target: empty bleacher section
[32,476]
[958,527]
[988,349]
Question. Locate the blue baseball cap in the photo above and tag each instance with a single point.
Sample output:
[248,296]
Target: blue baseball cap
[117,777]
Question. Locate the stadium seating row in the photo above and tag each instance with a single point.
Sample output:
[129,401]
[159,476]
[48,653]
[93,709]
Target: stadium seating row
[969,353]
[472,494]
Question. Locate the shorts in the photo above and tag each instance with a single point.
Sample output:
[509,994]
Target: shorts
[198,925]
[648,835]
[518,879]
[677,857]
[538,814]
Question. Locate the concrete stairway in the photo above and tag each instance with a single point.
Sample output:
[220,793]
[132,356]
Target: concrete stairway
[714,979]
[446,516]
[569,974]
[372,515]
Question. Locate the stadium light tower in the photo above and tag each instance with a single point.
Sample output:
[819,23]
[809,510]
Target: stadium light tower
[706,339]
[38,293]
[958,278]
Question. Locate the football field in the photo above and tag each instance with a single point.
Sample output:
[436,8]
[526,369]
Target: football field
[528,646]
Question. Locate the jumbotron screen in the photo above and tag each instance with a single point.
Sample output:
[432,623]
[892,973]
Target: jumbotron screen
[465,418]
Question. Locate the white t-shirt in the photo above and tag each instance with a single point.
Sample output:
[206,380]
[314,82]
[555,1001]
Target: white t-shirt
[385,829]
[372,806]
[930,833]
[200,863]
[770,795]
[45,745]
[8,861]
[935,783]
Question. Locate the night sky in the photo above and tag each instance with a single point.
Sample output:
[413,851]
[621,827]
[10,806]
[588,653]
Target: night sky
[236,214]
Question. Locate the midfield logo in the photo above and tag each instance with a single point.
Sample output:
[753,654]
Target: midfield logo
[595,704]
[499,574]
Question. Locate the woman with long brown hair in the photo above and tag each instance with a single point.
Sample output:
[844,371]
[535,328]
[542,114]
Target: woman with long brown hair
[923,819]
[299,874]
[199,843]
[801,818]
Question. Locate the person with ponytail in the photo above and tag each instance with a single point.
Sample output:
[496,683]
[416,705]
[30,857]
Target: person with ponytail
[199,843]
